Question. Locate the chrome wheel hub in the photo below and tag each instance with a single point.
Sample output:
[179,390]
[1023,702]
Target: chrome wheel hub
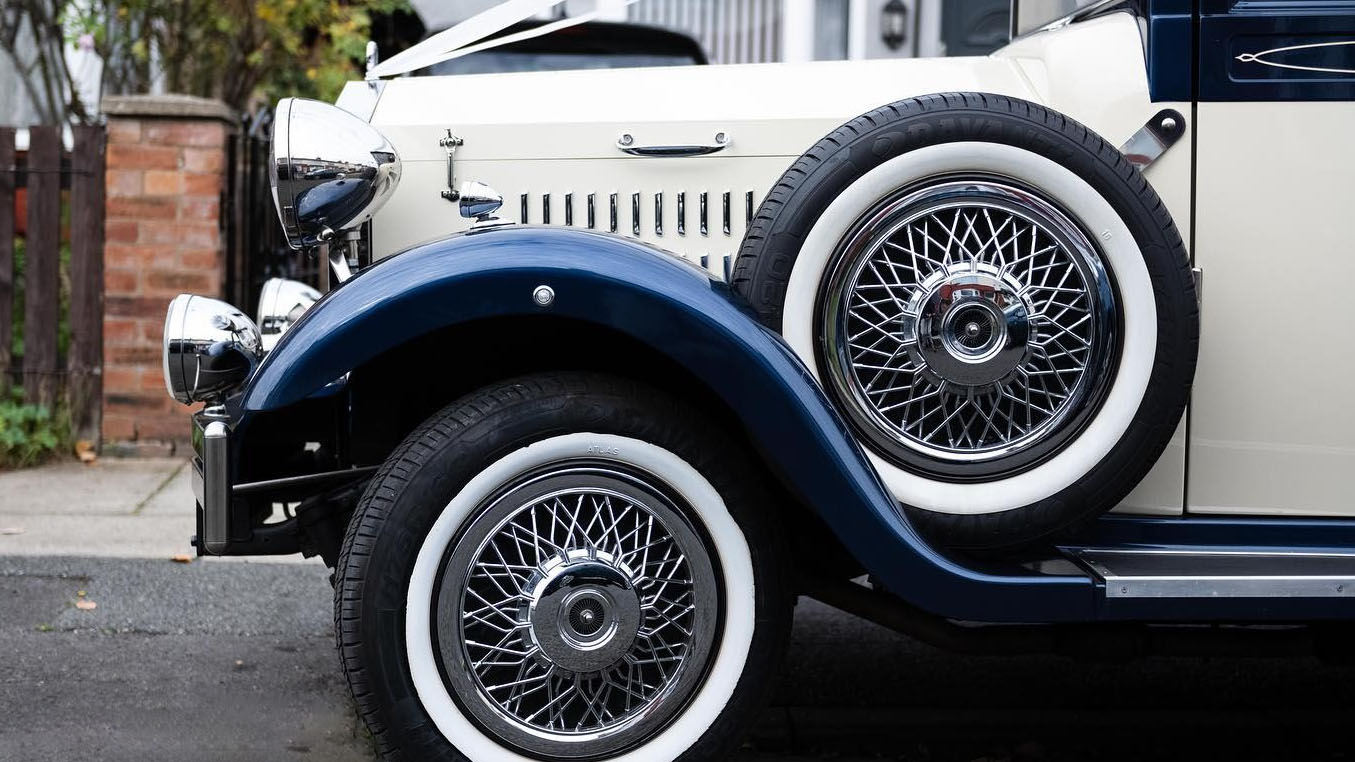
[578,612]
[972,328]
[584,614]
[967,328]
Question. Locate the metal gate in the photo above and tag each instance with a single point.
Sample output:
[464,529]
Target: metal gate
[256,249]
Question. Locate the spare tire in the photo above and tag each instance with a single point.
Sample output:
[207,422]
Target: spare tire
[995,300]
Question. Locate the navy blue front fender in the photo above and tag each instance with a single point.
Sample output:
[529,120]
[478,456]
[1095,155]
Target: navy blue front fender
[694,321]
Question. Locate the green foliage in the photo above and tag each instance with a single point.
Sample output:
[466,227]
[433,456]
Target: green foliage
[29,434]
[63,328]
[235,50]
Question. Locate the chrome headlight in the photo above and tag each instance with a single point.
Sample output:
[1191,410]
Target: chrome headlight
[281,303]
[210,348]
[329,170]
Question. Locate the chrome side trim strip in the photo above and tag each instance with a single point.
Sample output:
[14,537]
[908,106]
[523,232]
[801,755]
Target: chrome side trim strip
[569,209]
[522,209]
[748,208]
[704,229]
[592,211]
[635,213]
[545,208]
[682,213]
[658,214]
[613,225]
[725,215]
[1220,574]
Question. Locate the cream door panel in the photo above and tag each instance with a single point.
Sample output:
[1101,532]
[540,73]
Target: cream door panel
[1272,422]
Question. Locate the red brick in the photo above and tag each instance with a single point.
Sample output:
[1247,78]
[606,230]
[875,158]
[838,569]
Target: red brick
[119,331]
[184,133]
[124,130]
[153,331]
[123,182]
[200,259]
[202,209]
[136,355]
[191,234]
[120,281]
[164,183]
[173,424]
[125,156]
[150,307]
[202,184]
[117,427]
[142,207]
[117,380]
[136,255]
[121,231]
[172,282]
[153,380]
[204,159]
[133,400]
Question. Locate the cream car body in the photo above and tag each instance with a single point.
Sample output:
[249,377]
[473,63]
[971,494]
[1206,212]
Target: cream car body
[549,143]
[551,149]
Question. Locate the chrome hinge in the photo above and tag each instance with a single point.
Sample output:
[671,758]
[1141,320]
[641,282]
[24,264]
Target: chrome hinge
[450,144]
[1154,138]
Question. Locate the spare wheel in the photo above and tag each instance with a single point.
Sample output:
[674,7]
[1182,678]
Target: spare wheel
[995,300]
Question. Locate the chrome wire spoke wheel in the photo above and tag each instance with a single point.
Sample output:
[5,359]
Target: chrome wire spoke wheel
[578,612]
[967,327]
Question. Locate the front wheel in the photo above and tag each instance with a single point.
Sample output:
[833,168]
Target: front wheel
[564,566]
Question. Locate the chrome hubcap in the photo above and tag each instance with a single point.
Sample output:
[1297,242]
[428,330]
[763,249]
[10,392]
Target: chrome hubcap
[967,328]
[577,613]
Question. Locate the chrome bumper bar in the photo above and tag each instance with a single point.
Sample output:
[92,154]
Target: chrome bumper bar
[211,481]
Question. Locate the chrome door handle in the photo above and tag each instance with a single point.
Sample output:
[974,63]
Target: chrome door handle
[627,144]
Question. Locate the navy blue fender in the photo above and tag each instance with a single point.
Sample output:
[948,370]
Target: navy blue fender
[681,312]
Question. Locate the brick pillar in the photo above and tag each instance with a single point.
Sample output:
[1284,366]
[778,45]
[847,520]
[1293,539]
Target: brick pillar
[166,163]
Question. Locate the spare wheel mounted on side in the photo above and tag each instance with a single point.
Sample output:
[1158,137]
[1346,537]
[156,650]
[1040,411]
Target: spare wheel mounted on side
[996,301]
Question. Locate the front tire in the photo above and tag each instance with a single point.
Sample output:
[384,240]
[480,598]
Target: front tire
[562,566]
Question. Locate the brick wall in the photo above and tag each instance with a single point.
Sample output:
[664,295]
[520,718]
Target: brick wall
[166,156]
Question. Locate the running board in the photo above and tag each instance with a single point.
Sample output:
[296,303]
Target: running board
[1219,574]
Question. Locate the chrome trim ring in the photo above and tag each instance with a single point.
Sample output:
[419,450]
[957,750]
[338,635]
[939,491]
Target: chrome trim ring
[967,327]
[578,612]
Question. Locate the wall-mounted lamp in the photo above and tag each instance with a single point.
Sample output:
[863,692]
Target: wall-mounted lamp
[894,24]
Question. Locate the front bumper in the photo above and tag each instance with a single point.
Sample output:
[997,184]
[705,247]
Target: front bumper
[212,480]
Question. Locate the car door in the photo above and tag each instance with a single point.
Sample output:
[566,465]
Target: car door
[1272,422]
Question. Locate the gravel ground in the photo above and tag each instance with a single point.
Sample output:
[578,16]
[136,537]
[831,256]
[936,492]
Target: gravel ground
[235,661]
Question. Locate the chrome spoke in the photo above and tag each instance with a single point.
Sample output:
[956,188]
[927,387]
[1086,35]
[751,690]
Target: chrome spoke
[579,612]
[968,321]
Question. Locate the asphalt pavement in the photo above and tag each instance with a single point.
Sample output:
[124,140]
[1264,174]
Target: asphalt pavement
[148,658]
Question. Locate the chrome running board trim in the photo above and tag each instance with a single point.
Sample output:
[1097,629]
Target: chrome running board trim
[1220,573]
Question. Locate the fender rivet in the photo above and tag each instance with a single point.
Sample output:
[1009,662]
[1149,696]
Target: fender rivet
[543,296]
[1169,123]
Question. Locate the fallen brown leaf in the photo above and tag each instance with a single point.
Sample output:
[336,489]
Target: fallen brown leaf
[181,558]
[84,450]
[85,605]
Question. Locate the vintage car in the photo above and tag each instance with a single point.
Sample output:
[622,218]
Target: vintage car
[914,337]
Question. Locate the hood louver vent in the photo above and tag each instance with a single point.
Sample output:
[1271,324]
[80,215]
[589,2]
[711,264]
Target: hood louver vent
[704,227]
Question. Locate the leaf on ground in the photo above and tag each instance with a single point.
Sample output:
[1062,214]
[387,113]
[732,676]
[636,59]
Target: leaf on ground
[84,450]
[181,558]
[86,605]
[11,530]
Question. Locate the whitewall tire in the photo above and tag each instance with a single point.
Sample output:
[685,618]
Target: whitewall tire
[907,260]
[605,593]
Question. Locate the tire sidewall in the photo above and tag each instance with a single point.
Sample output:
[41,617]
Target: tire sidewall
[1120,252]
[423,479]
[728,543]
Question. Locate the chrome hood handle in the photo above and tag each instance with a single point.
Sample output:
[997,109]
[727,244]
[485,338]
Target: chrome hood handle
[626,143]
